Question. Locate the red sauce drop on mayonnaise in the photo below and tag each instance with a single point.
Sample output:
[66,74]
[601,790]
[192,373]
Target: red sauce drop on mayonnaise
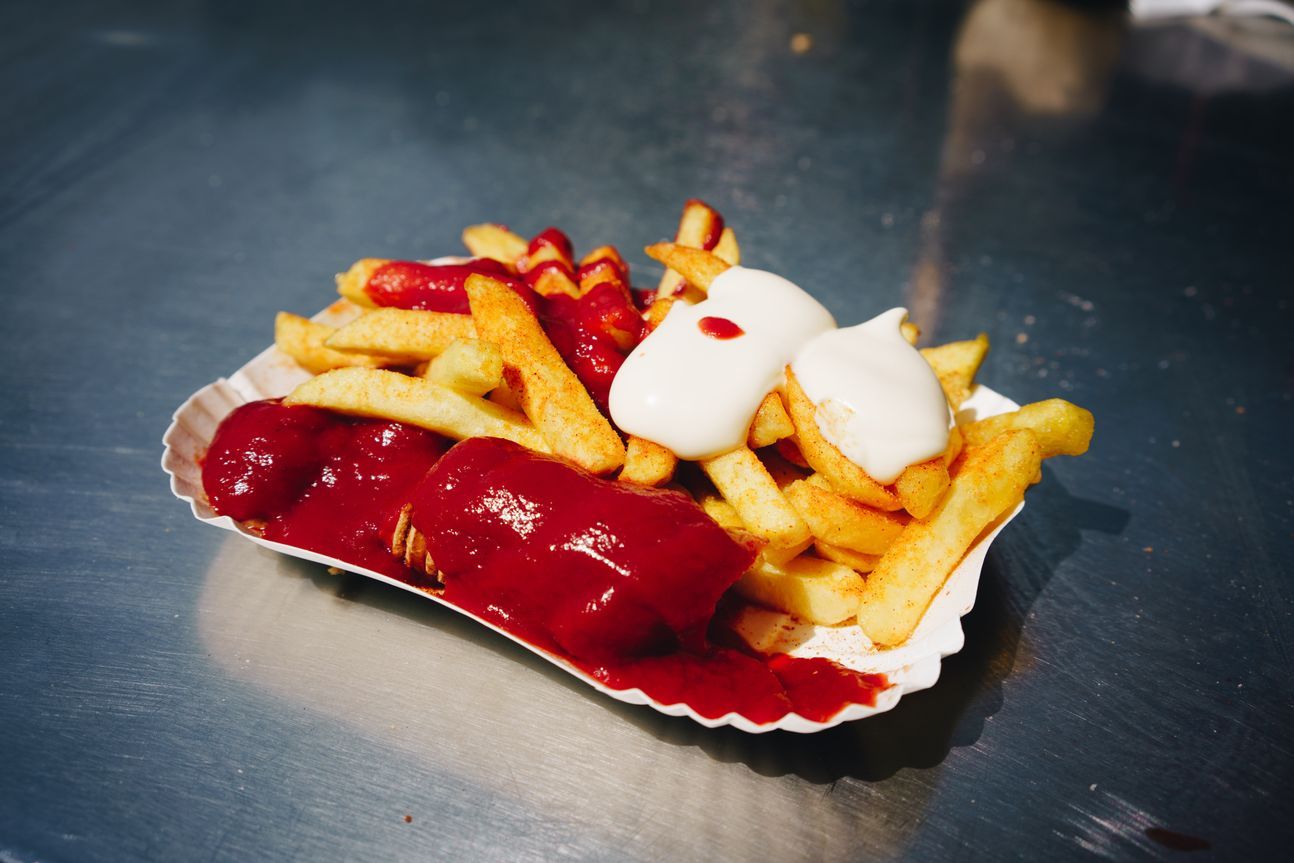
[621,581]
[719,328]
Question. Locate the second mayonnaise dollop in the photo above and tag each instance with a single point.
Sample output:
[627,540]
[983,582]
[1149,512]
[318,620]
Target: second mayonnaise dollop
[696,394]
[878,400]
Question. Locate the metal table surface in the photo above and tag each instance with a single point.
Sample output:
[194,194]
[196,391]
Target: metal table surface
[1108,201]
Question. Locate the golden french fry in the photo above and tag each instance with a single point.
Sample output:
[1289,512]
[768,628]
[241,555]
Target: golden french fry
[470,366]
[839,520]
[549,392]
[605,253]
[771,423]
[551,281]
[601,266]
[727,249]
[855,560]
[845,476]
[955,365]
[698,268]
[991,481]
[416,401]
[921,485]
[723,513]
[402,335]
[303,340]
[911,332]
[814,590]
[657,311]
[494,241]
[955,443]
[1062,428]
[504,397]
[696,227]
[745,483]
[647,463]
[350,284]
[782,470]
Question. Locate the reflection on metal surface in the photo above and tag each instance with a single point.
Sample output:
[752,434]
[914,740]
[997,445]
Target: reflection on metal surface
[441,691]
[1211,56]
[1015,63]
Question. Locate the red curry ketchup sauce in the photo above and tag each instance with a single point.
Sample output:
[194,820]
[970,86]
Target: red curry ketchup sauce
[621,580]
[436,287]
[594,569]
[319,480]
[719,328]
[593,334]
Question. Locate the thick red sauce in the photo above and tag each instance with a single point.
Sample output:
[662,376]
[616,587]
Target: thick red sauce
[319,480]
[556,241]
[593,334]
[620,580]
[719,328]
[435,287]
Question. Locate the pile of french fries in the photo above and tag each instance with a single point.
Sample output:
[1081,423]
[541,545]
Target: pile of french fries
[836,546]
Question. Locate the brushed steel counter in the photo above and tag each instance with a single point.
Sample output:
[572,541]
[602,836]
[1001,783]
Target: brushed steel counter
[1109,202]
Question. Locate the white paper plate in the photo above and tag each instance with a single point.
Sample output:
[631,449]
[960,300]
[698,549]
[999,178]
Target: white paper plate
[910,667]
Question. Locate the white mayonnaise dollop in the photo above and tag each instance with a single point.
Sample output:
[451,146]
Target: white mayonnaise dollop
[696,394]
[878,400]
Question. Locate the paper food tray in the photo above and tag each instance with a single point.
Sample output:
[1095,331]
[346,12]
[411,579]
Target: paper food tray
[910,667]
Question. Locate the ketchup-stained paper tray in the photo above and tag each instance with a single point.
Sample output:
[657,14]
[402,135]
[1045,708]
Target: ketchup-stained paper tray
[910,667]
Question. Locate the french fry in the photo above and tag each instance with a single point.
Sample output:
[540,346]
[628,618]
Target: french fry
[727,249]
[1062,428]
[494,241]
[697,227]
[552,279]
[781,469]
[402,335]
[839,520]
[855,560]
[789,449]
[550,246]
[845,476]
[409,544]
[991,481]
[956,440]
[698,267]
[745,483]
[504,397]
[548,266]
[350,284]
[549,392]
[303,340]
[814,590]
[723,513]
[603,265]
[416,401]
[955,364]
[771,423]
[921,485]
[911,332]
[657,311]
[470,366]
[647,463]
[605,253]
